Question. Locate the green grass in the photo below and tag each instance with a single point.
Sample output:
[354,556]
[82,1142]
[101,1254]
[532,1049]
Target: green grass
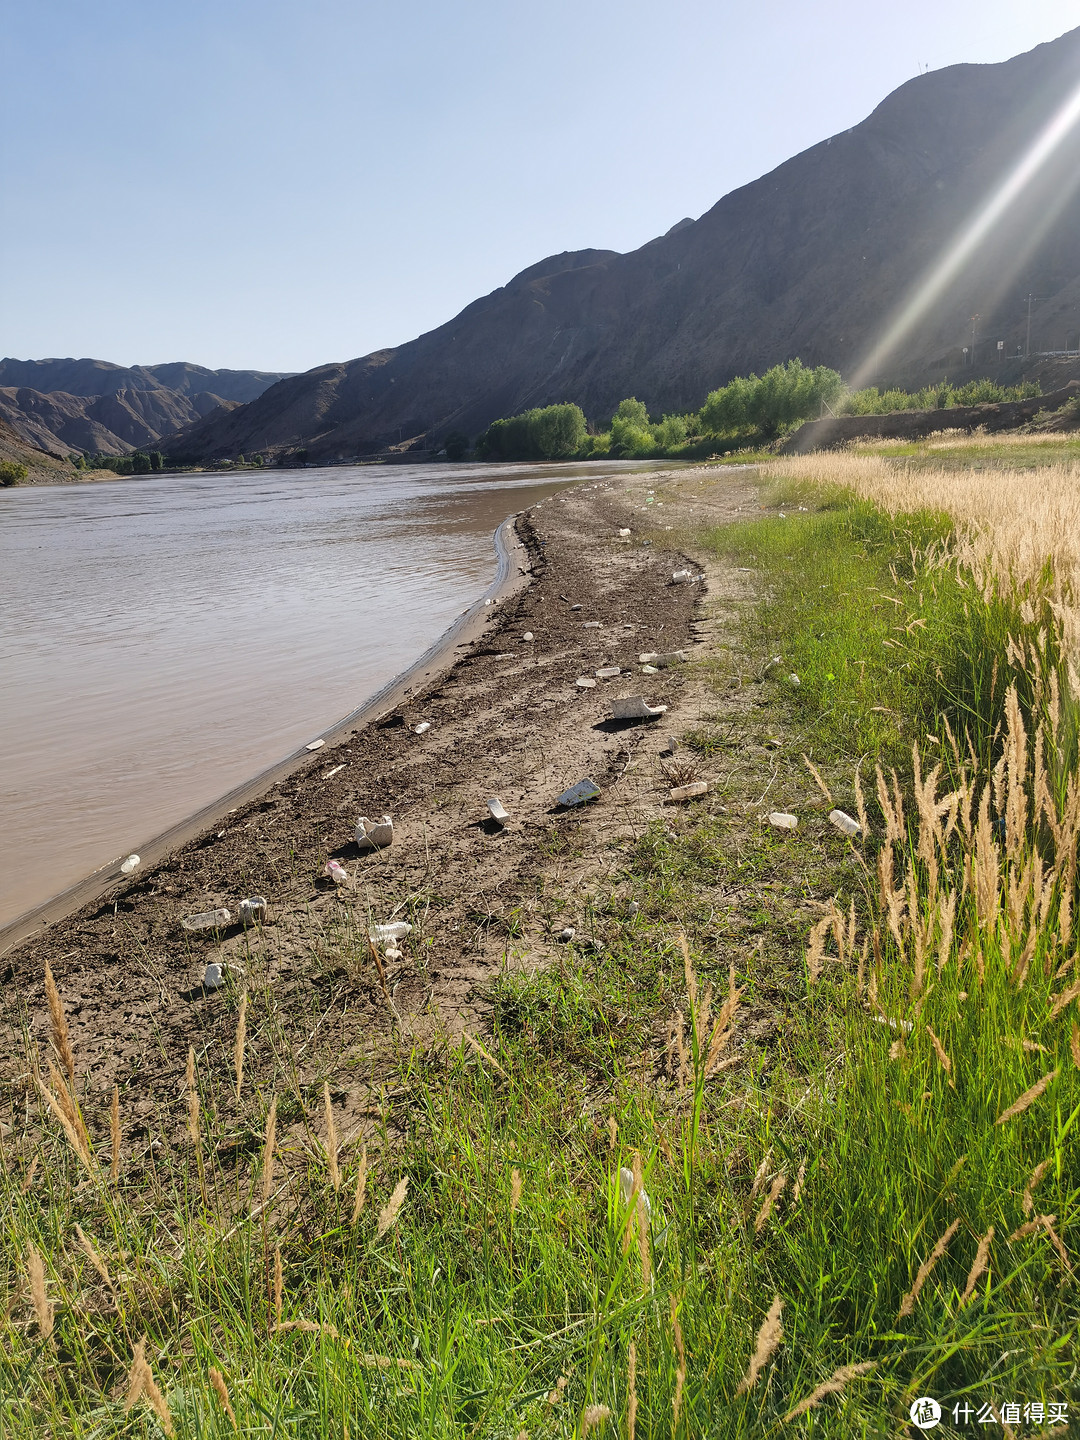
[476,1316]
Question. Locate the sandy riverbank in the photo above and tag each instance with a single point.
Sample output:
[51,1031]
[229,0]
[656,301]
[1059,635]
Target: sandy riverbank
[506,719]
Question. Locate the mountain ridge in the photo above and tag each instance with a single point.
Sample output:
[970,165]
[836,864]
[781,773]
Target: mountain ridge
[808,260]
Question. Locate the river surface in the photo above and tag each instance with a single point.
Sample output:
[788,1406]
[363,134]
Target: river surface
[163,639]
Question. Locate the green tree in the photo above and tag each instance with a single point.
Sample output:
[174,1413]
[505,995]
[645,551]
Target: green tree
[456,445]
[156,459]
[633,412]
[140,462]
[553,432]
[767,404]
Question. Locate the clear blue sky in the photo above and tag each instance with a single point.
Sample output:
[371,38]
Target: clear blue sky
[275,185]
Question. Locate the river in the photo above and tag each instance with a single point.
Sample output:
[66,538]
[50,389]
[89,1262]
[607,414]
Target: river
[164,638]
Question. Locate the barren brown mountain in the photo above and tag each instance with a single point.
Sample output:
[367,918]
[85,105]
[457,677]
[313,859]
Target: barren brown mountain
[809,261]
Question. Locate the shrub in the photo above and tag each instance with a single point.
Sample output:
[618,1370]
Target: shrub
[769,403]
[11,472]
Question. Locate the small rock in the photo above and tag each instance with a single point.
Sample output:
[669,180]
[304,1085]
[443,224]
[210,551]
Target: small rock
[528,636]
[392,953]
[671,746]
[649,670]
[633,909]
[623,534]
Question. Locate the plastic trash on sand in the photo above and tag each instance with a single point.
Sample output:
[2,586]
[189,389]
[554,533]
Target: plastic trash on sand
[207,920]
[336,872]
[689,792]
[585,683]
[131,863]
[374,834]
[782,820]
[528,636]
[251,909]
[390,933]
[847,823]
[633,707]
[663,661]
[422,728]
[623,533]
[499,812]
[212,977]
[566,935]
[315,745]
[591,625]
[577,794]
[608,672]
[682,577]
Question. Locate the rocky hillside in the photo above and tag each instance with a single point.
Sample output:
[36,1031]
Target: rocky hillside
[811,260]
[92,406]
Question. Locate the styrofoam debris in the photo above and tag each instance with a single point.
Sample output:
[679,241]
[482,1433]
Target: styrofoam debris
[688,792]
[131,863]
[584,683]
[252,909]
[336,872]
[212,977]
[608,672]
[626,1190]
[498,810]
[374,834]
[633,707]
[565,936]
[577,794]
[207,920]
[315,745]
[847,823]
[422,728]
[782,820]
[387,934]
[623,533]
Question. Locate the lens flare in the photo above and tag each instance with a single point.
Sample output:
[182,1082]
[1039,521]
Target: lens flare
[942,274]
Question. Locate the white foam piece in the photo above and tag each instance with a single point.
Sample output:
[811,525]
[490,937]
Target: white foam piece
[633,707]
[315,745]
[498,810]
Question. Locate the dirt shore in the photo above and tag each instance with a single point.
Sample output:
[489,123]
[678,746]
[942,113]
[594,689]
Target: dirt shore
[507,719]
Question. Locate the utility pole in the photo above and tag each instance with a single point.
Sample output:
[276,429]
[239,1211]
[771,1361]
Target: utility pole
[974,328]
[1027,348]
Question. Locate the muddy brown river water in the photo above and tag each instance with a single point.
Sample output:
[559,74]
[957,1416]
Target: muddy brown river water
[164,638]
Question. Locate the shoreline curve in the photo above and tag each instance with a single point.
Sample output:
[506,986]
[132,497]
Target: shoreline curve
[435,660]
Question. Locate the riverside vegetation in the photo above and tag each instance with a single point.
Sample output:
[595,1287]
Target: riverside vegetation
[748,412]
[878,1204]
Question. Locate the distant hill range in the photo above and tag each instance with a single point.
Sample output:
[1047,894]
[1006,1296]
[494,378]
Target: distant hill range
[92,407]
[812,260]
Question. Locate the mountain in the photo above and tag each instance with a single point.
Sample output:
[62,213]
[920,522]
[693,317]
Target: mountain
[812,260]
[94,406]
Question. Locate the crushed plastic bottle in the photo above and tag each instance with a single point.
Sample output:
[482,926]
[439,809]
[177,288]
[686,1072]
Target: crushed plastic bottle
[207,920]
[131,863]
[387,934]
[336,872]
[847,823]
[422,728]
[782,820]
[252,909]
[688,792]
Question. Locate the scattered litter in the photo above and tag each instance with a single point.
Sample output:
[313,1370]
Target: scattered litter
[608,672]
[315,745]
[632,909]
[505,655]
[487,602]
[577,794]
[633,707]
[623,534]
[688,792]
[251,909]
[649,670]
[904,1025]
[592,625]
[681,577]
[336,872]
[131,863]
[528,635]
[575,607]
[584,683]
[392,953]
[565,936]
[626,1190]
[795,680]
[671,746]
[498,810]
[334,771]
[782,820]
[663,661]
[374,834]
[387,934]
[212,977]
[422,728]
[207,920]
[844,822]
